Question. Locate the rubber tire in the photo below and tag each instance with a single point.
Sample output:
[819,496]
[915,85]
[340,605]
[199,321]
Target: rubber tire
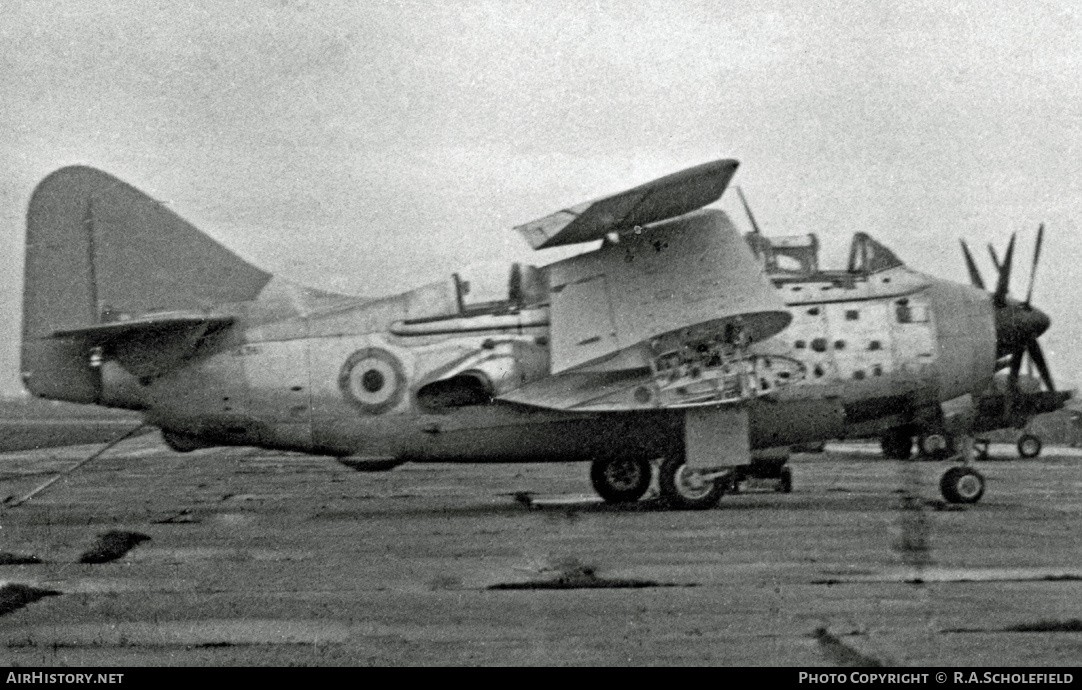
[679,496]
[1029,446]
[620,480]
[962,485]
[934,453]
[896,444]
[182,443]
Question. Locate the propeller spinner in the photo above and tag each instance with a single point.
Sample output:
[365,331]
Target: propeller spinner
[1018,324]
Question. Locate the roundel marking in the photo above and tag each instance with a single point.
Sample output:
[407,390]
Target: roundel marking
[372,380]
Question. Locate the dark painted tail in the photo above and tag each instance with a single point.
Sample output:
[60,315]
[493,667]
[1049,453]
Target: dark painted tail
[99,250]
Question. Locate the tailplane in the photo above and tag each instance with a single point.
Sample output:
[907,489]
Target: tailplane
[98,252]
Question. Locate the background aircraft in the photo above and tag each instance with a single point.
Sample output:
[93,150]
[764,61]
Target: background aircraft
[666,341]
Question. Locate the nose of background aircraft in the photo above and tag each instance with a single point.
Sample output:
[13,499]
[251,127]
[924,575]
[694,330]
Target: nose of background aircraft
[1016,325]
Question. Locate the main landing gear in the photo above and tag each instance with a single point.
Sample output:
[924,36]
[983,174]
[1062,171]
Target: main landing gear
[686,489]
[624,480]
[621,480]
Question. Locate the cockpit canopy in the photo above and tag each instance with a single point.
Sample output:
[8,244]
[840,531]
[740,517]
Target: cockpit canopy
[797,256]
[793,255]
[490,288]
[868,256]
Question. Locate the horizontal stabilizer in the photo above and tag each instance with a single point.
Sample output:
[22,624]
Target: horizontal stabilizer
[134,329]
[664,198]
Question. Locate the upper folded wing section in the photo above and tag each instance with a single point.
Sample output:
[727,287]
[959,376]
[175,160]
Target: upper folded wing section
[664,198]
[682,283]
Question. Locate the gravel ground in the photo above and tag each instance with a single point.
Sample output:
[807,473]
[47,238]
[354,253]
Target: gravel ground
[270,558]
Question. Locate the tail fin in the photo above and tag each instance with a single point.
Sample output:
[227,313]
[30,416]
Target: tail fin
[99,250]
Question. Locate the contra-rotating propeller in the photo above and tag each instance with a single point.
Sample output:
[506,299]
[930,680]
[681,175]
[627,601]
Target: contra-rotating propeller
[1018,324]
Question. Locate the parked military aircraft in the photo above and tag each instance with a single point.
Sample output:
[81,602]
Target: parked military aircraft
[1009,401]
[666,341]
[1012,405]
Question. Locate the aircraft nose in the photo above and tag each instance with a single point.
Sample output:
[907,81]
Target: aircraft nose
[1016,325]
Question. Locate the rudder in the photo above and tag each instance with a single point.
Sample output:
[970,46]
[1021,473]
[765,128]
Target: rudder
[99,250]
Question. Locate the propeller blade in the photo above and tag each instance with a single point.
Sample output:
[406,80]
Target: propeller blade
[974,274]
[995,259]
[1005,274]
[1036,256]
[747,210]
[1037,355]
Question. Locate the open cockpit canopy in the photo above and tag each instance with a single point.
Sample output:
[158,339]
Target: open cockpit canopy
[797,256]
[867,256]
[495,287]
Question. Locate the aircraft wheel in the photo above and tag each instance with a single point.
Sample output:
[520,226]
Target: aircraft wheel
[684,489]
[620,480]
[1029,446]
[962,485]
[934,446]
[897,444]
[181,443]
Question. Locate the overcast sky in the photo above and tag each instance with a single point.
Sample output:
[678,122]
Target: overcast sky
[371,146]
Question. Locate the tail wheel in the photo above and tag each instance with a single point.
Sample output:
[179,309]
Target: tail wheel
[1029,446]
[182,443]
[620,480]
[962,485]
[684,488]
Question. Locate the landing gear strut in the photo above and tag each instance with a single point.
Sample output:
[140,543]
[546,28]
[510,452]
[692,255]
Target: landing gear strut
[620,480]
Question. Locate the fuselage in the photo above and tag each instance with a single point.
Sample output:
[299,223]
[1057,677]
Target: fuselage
[343,376]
